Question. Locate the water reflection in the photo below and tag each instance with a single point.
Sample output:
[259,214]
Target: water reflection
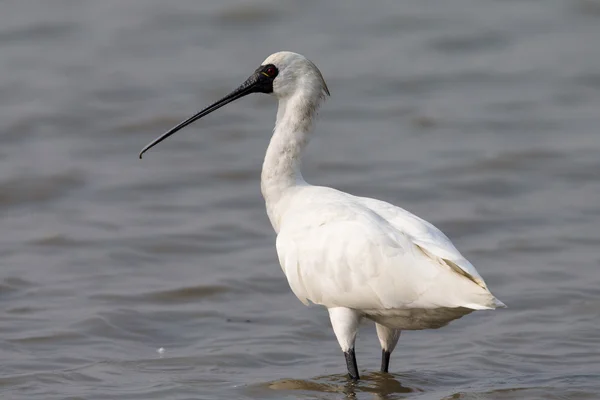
[381,385]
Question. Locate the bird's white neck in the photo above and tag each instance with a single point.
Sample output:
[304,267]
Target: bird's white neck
[281,168]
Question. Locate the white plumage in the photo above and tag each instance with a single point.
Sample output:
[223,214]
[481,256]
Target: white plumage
[339,250]
[359,257]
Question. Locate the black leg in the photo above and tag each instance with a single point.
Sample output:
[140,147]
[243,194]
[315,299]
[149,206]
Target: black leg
[385,360]
[351,363]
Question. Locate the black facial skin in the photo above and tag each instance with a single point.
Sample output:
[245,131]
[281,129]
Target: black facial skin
[266,75]
[260,82]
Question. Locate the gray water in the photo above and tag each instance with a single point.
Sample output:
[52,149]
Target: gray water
[481,116]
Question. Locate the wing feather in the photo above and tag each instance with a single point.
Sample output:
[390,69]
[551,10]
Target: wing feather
[433,242]
[350,256]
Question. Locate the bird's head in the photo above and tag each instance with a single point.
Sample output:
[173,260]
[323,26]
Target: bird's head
[282,74]
[292,72]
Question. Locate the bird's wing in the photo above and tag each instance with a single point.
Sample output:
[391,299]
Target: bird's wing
[430,239]
[346,255]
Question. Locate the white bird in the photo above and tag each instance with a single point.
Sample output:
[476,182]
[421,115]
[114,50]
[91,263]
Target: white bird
[357,256]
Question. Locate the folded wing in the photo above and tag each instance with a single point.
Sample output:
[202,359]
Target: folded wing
[350,255]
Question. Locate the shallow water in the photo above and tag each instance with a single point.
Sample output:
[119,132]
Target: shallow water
[480,116]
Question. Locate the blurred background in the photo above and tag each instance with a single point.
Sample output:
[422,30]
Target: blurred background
[480,116]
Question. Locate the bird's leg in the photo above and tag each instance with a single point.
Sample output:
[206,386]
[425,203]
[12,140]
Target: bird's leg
[351,364]
[385,360]
[388,338]
[345,323]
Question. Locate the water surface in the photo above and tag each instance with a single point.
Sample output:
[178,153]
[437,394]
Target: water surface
[480,116]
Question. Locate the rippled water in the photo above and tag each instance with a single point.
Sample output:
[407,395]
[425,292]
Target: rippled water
[480,116]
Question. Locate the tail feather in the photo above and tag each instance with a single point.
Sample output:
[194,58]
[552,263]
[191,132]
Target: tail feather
[499,304]
[491,304]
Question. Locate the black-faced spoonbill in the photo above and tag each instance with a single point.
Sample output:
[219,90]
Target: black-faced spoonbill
[359,257]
